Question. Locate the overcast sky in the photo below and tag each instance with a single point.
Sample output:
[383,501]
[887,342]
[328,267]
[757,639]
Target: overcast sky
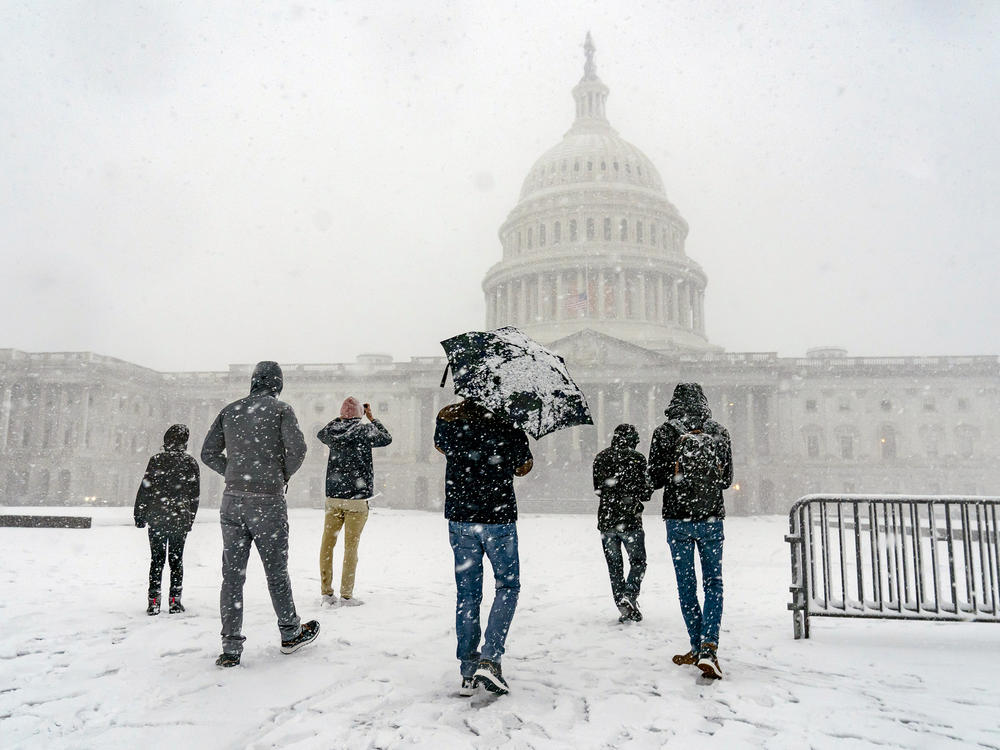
[186,185]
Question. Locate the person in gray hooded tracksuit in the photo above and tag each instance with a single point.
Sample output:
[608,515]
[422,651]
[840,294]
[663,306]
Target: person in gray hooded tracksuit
[257,445]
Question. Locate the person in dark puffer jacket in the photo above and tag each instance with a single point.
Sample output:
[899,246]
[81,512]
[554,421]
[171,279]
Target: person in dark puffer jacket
[167,502]
[621,484]
[350,479]
[693,509]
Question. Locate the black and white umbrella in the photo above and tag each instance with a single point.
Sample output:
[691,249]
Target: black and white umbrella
[510,373]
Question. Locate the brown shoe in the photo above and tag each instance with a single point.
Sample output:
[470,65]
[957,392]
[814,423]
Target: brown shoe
[708,662]
[682,660]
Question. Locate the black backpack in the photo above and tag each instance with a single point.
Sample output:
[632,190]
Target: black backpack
[697,465]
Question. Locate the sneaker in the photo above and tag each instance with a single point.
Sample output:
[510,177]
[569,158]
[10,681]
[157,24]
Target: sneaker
[306,635]
[688,659]
[154,606]
[708,662]
[228,660]
[489,676]
[350,601]
[175,605]
[468,687]
[330,600]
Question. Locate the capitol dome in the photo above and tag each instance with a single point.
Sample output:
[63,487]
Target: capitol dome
[593,242]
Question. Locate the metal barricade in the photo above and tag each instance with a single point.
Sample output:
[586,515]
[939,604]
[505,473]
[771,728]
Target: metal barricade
[894,556]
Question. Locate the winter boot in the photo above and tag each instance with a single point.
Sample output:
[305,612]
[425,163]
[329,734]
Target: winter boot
[306,635]
[154,606]
[489,676]
[708,662]
[690,658]
[175,605]
[228,660]
[329,600]
[468,687]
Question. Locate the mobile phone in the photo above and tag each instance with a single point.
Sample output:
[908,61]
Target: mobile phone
[367,406]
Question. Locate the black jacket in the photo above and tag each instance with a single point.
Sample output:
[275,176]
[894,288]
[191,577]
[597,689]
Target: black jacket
[620,481]
[256,442]
[349,472]
[168,494]
[688,410]
[484,451]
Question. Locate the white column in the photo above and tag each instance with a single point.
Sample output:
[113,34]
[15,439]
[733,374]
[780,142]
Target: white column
[540,298]
[692,322]
[601,295]
[620,296]
[751,427]
[559,295]
[509,317]
[579,290]
[642,297]
[660,317]
[5,408]
[522,312]
[675,311]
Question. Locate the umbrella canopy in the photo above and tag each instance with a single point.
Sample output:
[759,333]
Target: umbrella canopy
[510,373]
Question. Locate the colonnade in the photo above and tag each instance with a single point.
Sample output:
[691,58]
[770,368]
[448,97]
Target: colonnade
[614,294]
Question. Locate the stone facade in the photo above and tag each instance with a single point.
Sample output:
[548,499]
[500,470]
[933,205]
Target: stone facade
[593,264]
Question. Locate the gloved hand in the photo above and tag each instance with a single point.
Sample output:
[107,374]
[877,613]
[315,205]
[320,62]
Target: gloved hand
[140,524]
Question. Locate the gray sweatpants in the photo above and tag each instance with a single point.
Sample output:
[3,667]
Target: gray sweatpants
[262,520]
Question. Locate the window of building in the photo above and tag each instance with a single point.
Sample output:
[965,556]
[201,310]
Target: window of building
[607,228]
[628,168]
[590,166]
[847,446]
[965,441]
[590,229]
[652,235]
[623,230]
[887,443]
[615,165]
[556,233]
[929,404]
[604,166]
[963,404]
[812,446]
[810,404]
[665,243]
[572,230]
[519,242]
[885,404]
[541,235]
[529,238]
[844,404]
[576,166]
[638,232]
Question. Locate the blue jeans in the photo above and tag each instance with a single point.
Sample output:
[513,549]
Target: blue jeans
[469,542]
[682,536]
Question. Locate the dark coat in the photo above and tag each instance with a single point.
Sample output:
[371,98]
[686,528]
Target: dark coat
[484,452]
[349,472]
[620,482]
[688,410]
[167,499]
[256,442]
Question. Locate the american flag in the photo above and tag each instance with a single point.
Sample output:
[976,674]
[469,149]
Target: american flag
[578,303]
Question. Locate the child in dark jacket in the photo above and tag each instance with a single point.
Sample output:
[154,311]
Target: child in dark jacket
[167,502]
[620,482]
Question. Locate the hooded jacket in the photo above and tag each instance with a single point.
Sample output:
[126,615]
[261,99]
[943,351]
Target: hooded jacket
[167,499]
[620,482]
[256,443]
[688,410]
[349,471]
[484,453]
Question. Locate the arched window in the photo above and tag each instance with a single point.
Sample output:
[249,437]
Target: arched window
[576,166]
[623,230]
[541,235]
[572,230]
[519,242]
[607,228]
[604,166]
[556,233]
[638,232]
[529,238]
[666,244]
[652,234]
[590,229]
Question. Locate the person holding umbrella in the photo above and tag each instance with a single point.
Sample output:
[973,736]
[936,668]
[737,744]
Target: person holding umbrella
[511,385]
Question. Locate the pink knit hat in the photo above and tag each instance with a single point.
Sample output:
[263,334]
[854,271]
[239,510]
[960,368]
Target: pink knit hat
[351,408]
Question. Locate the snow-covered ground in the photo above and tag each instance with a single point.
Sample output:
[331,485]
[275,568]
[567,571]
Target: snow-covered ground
[82,666]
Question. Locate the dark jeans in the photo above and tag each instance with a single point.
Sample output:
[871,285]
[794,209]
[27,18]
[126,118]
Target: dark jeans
[683,536]
[163,545]
[634,541]
[469,542]
[261,520]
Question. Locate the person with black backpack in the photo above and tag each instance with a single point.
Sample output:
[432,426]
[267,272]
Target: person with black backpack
[691,458]
[620,482]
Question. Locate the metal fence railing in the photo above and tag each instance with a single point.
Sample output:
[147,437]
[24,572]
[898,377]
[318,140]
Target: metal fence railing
[894,556]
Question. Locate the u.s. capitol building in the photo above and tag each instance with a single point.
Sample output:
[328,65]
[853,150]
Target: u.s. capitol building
[594,264]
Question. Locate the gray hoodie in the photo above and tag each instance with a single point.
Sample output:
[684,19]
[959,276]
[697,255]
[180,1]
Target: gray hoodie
[256,442]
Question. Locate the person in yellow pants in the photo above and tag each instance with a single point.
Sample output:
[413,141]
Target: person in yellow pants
[349,483]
